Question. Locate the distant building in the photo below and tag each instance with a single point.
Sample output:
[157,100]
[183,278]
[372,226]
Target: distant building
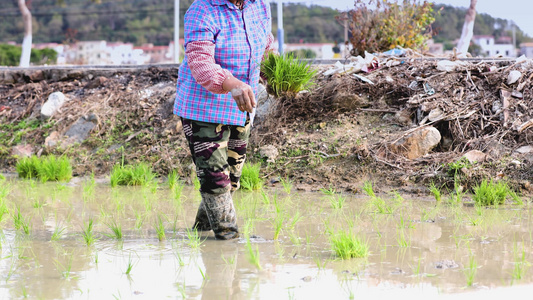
[59,48]
[527,49]
[435,48]
[322,51]
[491,47]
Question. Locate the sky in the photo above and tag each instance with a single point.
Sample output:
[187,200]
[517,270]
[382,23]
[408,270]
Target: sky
[519,11]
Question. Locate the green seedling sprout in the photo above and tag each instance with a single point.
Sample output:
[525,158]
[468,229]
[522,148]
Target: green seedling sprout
[287,184]
[347,245]
[88,234]
[160,229]
[250,179]
[116,230]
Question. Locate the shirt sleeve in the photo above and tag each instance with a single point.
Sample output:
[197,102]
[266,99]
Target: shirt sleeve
[270,46]
[201,61]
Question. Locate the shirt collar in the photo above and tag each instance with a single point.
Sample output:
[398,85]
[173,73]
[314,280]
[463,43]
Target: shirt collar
[226,2]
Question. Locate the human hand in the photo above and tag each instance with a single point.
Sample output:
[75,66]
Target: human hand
[242,93]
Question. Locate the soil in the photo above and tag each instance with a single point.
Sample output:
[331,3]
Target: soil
[337,134]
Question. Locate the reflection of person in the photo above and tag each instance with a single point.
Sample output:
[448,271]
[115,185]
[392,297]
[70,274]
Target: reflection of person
[225,42]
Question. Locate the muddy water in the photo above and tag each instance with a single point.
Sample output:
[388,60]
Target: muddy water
[418,249]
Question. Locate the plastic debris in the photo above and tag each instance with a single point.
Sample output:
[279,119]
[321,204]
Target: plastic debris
[450,66]
[513,77]
[363,78]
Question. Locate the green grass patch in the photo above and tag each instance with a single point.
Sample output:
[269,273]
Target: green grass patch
[250,179]
[286,74]
[347,245]
[45,168]
[492,193]
[139,174]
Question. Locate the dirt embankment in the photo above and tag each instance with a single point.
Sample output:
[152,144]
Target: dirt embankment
[348,128]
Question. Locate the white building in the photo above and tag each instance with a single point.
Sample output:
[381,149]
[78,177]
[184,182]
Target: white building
[323,51]
[490,47]
[527,49]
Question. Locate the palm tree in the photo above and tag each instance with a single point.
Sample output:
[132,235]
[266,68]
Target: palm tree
[468,29]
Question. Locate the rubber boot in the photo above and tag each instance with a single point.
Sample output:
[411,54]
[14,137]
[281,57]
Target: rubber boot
[221,214]
[201,223]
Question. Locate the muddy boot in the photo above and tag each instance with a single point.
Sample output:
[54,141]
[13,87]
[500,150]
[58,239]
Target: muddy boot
[221,215]
[201,223]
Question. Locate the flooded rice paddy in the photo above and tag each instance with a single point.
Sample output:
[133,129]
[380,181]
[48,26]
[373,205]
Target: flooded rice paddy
[90,241]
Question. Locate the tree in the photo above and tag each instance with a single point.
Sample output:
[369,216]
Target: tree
[27,41]
[468,29]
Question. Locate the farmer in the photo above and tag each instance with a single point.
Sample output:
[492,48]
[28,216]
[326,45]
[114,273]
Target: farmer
[225,42]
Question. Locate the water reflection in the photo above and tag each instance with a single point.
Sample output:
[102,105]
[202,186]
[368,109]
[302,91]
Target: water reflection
[417,248]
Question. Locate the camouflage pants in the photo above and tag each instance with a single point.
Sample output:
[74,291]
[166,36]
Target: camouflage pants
[219,152]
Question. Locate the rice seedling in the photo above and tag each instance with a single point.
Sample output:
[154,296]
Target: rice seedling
[347,245]
[264,196]
[139,174]
[287,184]
[160,229]
[330,191]
[205,278]
[45,168]
[116,230]
[403,240]
[87,232]
[5,189]
[456,197]
[173,179]
[250,179]
[194,240]
[520,263]
[286,74]
[252,254]
[58,232]
[295,239]
[139,220]
[320,264]
[21,223]
[129,266]
[229,261]
[471,270]
[491,193]
[64,270]
[89,187]
[27,167]
[3,209]
[337,202]
[278,225]
[368,189]
[435,191]
[177,190]
[196,182]
[381,207]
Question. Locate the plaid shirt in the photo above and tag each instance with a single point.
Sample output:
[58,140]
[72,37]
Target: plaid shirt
[240,38]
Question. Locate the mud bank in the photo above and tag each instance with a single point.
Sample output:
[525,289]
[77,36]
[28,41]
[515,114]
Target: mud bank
[403,125]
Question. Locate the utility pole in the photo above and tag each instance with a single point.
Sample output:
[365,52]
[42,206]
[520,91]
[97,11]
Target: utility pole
[176,31]
[346,35]
[280,26]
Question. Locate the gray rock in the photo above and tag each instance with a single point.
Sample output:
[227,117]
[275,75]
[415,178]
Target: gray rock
[22,150]
[52,105]
[474,156]
[270,152]
[418,143]
[446,264]
[80,130]
[524,149]
[264,102]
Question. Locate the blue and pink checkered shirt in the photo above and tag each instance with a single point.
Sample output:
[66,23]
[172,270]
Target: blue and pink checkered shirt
[240,39]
